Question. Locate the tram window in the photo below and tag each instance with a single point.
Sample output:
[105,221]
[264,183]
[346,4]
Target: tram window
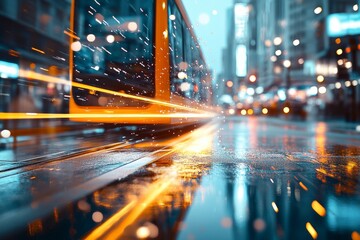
[176,41]
[185,57]
[176,37]
[117,51]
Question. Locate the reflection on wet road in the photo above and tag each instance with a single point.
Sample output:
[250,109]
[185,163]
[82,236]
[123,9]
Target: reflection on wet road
[242,178]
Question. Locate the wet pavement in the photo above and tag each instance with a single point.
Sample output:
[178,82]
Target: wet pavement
[236,178]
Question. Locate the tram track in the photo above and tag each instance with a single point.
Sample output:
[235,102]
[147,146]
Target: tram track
[40,207]
[30,164]
[70,186]
[9,168]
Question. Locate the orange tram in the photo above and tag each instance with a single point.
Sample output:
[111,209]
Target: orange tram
[136,62]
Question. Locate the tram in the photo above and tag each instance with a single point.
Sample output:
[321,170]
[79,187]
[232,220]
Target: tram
[136,62]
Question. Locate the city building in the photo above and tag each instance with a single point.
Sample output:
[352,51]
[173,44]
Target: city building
[34,41]
[294,54]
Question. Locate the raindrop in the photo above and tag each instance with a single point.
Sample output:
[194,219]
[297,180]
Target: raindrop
[76,46]
[5,133]
[97,217]
[110,38]
[142,232]
[204,19]
[226,222]
[259,225]
[83,206]
[132,26]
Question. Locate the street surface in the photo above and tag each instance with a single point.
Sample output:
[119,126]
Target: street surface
[233,178]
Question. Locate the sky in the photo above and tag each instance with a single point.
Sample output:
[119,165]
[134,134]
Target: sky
[209,20]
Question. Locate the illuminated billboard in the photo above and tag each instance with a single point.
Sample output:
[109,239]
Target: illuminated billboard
[342,24]
[9,70]
[241,18]
[241,13]
[241,61]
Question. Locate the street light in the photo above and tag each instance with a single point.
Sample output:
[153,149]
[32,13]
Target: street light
[318,10]
[287,63]
[277,41]
[252,78]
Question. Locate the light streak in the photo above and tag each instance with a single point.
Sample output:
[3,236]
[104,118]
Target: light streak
[318,208]
[114,227]
[311,230]
[303,186]
[38,50]
[7,116]
[71,35]
[98,232]
[131,212]
[276,209]
[45,78]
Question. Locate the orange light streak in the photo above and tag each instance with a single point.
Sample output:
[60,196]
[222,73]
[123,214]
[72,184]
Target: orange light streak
[98,232]
[311,230]
[134,210]
[38,50]
[71,35]
[303,186]
[318,208]
[50,79]
[14,53]
[8,116]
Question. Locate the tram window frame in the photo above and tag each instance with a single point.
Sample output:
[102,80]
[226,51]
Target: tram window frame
[190,53]
[177,35]
[131,71]
[176,43]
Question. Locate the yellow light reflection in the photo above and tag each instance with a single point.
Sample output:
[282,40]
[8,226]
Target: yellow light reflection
[133,213]
[98,232]
[45,78]
[311,230]
[320,141]
[157,192]
[350,167]
[276,209]
[200,145]
[318,208]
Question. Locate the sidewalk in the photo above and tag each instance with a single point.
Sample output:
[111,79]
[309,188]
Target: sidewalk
[344,127]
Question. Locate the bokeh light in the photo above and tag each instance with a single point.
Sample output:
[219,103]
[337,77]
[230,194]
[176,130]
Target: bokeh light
[5,133]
